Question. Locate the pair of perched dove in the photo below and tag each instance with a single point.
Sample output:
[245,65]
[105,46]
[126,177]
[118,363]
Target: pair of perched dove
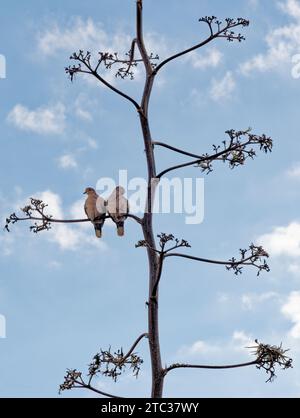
[116,207]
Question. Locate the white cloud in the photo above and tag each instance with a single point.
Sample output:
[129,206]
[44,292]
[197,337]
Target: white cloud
[250,300]
[223,89]
[212,58]
[291,309]
[44,120]
[84,106]
[83,114]
[92,143]
[241,340]
[294,172]
[90,35]
[67,161]
[197,348]
[78,34]
[291,7]
[236,344]
[282,241]
[282,43]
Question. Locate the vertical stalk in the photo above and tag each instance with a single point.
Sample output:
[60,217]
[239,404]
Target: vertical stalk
[153,324]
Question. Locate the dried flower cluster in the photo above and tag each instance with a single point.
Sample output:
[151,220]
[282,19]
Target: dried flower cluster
[35,210]
[237,150]
[254,255]
[124,66]
[164,239]
[114,364]
[72,380]
[268,356]
[224,29]
[104,363]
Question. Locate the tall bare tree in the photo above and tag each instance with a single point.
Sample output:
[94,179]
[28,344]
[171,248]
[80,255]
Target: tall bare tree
[234,151]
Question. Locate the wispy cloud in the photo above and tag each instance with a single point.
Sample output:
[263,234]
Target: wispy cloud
[251,300]
[77,34]
[202,349]
[210,59]
[291,310]
[281,43]
[67,161]
[283,240]
[294,172]
[43,120]
[223,89]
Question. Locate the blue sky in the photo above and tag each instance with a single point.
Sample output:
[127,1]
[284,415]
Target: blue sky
[62,293]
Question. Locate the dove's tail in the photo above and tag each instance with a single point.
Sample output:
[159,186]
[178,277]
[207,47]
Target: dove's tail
[98,230]
[120,229]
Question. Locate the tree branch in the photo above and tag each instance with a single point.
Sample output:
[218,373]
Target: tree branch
[85,60]
[102,80]
[235,151]
[14,219]
[267,358]
[176,167]
[135,344]
[199,366]
[45,221]
[256,255]
[225,32]
[178,150]
[73,380]
[93,389]
[107,364]
[253,256]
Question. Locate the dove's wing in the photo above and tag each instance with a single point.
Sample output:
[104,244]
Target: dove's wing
[95,210]
[100,206]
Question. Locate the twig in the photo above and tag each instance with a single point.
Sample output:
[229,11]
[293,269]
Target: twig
[180,151]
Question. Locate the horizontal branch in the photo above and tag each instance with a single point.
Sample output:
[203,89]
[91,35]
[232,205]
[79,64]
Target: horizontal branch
[46,220]
[205,260]
[200,366]
[267,358]
[253,256]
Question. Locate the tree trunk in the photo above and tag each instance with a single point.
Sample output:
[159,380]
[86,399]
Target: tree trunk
[153,325]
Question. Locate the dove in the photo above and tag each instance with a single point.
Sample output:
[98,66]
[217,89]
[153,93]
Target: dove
[95,209]
[118,208]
